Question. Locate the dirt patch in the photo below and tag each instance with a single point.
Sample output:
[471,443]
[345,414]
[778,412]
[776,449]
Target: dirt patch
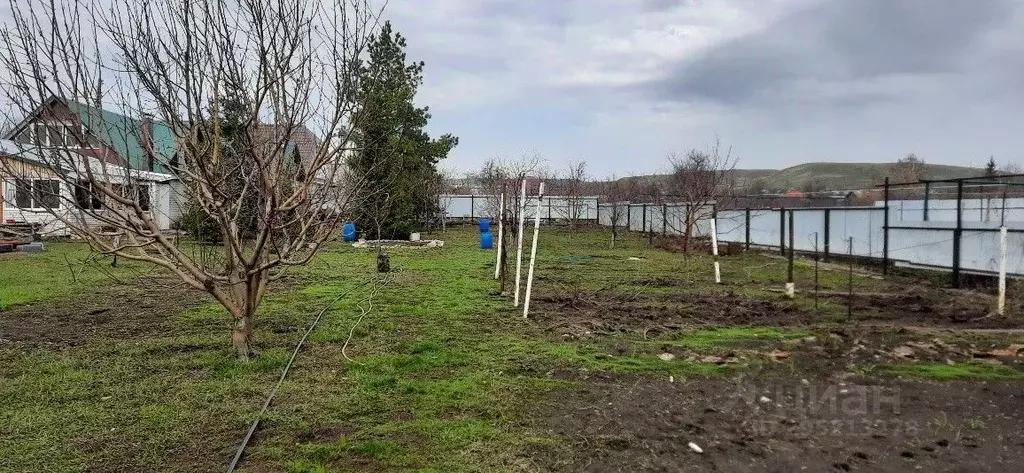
[651,313]
[638,424]
[930,307]
[132,310]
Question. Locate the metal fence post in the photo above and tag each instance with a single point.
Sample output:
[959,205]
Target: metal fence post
[782,231]
[927,191]
[885,230]
[828,230]
[629,218]
[643,221]
[958,232]
[472,207]
[747,227]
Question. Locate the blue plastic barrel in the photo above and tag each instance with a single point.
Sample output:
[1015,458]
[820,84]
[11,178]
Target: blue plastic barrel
[348,232]
[485,225]
[486,240]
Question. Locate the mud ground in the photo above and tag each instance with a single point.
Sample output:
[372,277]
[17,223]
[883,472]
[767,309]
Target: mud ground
[133,310]
[749,423]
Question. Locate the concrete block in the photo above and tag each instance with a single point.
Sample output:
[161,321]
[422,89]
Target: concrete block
[34,247]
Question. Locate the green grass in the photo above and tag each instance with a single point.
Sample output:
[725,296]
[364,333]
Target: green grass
[60,271]
[945,372]
[733,336]
[439,376]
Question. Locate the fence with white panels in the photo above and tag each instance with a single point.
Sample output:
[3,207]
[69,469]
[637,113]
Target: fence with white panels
[552,208]
[911,239]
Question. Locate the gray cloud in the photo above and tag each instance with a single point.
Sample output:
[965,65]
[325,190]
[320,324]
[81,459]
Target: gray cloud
[848,48]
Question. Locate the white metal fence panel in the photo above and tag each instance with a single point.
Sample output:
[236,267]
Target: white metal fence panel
[929,244]
[551,207]
[988,210]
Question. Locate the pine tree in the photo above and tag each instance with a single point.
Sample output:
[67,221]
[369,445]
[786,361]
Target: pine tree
[990,168]
[396,156]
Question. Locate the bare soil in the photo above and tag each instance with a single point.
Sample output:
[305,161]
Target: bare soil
[628,424]
[610,311]
[133,310]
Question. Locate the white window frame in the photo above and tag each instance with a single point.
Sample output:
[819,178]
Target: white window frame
[11,196]
[67,140]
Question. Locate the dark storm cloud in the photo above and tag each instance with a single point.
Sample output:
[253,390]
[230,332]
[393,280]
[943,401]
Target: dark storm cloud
[836,45]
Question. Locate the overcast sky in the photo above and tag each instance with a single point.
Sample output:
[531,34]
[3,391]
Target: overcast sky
[620,83]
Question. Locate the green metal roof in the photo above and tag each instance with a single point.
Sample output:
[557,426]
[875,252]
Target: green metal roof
[123,134]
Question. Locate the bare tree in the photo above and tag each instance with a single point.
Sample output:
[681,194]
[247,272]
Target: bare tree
[231,86]
[1011,168]
[909,168]
[700,180]
[507,176]
[574,187]
[619,192]
[445,195]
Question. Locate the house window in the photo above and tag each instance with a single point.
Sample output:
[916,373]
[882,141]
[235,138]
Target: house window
[33,193]
[135,192]
[57,134]
[87,197]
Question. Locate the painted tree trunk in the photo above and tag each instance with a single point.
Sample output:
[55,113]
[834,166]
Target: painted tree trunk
[241,337]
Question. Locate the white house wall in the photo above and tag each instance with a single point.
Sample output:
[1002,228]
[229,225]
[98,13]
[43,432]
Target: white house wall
[161,205]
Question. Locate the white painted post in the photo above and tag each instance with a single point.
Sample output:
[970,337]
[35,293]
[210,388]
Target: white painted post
[1002,271]
[519,246]
[714,249]
[501,225]
[533,254]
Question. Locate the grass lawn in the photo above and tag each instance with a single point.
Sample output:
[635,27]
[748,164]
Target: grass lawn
[63,269]
[440,375]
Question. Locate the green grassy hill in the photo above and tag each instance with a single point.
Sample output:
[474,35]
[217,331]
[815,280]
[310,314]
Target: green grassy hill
[832,176]
[845,175]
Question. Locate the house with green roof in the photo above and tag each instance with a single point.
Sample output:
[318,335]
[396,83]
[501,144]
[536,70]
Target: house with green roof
[142,143]
[143,148]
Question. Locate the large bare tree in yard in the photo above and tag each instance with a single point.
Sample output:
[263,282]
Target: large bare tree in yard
[230,85]
[700,179]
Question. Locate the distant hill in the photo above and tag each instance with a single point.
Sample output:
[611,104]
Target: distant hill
[834,176]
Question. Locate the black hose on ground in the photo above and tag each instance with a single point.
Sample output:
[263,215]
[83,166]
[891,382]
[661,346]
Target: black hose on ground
[256,422]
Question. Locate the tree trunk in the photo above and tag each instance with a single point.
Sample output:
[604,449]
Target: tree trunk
[241,337]
[686,236]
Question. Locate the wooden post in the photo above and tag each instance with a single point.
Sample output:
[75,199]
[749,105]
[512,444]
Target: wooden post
[1001,304]
[519,245]
[714,249]
[790,285]
[533,253]
[501,233]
